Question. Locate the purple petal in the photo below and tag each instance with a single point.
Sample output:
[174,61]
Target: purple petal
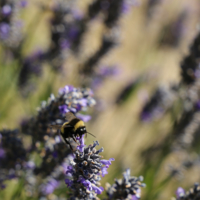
[66,89]
[107,162]
[104,171]
[138,193]
[84,118]
[23,3]
[68,182]
[83,102]
[98,190]
[180,192]
[69,170]
[82,145]
[4,30]
[134,197]
[86,183]
[49,187]
[30,165]
[63,109]
[6,10]
[73,110]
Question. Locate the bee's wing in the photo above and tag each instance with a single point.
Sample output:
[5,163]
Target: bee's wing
[56,126]
[69,116]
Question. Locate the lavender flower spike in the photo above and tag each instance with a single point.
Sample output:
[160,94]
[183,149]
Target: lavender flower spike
[54,110]
[126,188]
[180,192]
[85,172]
[192,194]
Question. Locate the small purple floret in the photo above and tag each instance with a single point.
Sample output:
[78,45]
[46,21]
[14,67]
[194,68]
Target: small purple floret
[98,190]
[83,102]
[84,118]
[82,145]
[23,3]
[30,165]
[4,30]
[104,171]
[86,183]
[66,89]
[107,162]
[180,192]
[6,10]
[68,182]
[49,187]
[134,198]
[70,170]
[63,109]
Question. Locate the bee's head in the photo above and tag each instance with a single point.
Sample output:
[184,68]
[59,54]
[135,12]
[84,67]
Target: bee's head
[81,130]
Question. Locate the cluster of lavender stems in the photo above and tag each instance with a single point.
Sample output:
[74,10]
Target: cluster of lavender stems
[183,138]
[81,169]
[68,26]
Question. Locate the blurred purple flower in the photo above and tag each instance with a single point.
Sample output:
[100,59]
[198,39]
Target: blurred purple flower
[180,192]
[4,30]
[6,10]
[23,3]
[2,153]
[84,118]
[49,187]
[63,109]
[82,145]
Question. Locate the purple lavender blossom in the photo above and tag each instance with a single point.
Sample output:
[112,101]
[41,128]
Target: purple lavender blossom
[84,118]
[4,30]
[63,109]
[49,187]
[23,3]
[126,188]
[192,194]
[6,10]
[82,144]
[180,192]
[85,171]
[69,98]
[66,89]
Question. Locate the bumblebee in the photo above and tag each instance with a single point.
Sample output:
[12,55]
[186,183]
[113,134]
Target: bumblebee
[72,128]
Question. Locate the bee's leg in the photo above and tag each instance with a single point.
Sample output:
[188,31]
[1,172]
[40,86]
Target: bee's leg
[74,139]
[68,143]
